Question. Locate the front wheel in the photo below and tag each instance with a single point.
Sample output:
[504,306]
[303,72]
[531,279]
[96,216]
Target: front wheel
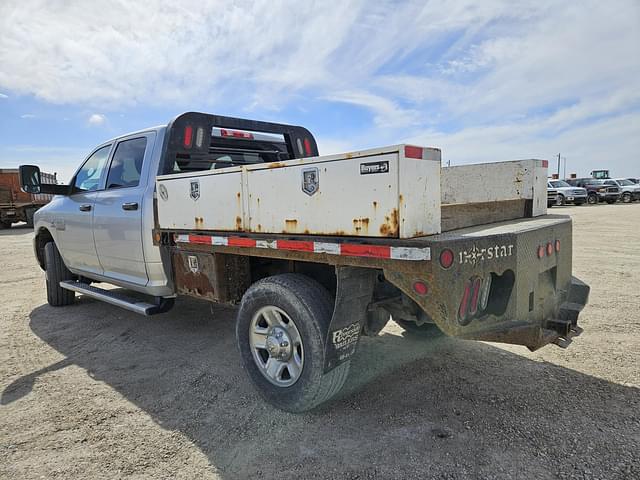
[281,330]
[626,197]
[56,272]
[560,200]
[592,199]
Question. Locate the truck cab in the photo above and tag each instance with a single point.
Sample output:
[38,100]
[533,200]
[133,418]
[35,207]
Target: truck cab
[103,224]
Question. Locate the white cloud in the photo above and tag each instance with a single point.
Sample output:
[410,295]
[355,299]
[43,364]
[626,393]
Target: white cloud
[96,119]
[2,95]
[27,116]
[497,77]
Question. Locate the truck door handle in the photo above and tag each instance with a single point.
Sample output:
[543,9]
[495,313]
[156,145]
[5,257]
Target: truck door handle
[130,206]
[85,208]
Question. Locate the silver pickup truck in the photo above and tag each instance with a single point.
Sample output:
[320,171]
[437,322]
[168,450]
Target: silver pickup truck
[316,250]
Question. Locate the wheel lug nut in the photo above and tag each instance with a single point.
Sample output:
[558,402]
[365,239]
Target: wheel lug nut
[284,344]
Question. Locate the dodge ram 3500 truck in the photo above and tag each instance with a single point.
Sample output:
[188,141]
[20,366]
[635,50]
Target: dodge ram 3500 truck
[317,250]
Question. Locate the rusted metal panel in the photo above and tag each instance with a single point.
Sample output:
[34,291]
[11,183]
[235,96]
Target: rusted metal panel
[537,287]
[212,276]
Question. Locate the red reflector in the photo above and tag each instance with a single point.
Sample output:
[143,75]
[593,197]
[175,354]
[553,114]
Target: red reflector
[420,288]
[188,136]
[476,294]
[545,163]
[236,134]
[307,147]
[464,304]
[540,251]
[549,248]
[412,152]
[557,245]
[446,258]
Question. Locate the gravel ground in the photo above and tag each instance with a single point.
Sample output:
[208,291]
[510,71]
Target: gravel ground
[92,391]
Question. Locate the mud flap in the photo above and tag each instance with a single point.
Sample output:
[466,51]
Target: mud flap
[354,292]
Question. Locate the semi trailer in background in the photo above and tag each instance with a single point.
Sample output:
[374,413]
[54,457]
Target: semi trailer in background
[16,205]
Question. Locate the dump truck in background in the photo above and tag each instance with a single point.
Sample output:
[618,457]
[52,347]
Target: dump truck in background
[16,205]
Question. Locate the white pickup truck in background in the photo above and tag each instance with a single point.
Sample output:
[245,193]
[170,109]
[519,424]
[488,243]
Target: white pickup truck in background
[317,250]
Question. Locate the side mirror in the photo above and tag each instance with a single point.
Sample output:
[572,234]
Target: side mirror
[30,178]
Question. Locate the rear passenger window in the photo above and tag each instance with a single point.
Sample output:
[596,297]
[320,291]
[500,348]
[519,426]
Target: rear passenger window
[126,165]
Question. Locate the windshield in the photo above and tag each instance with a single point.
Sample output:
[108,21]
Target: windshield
[559,183]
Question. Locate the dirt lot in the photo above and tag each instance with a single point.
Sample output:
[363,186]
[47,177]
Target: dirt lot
[91,391]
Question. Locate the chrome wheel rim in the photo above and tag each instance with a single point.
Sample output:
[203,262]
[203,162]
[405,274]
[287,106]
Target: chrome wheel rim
[276,346]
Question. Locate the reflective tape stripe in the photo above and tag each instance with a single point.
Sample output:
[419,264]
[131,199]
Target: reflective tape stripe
[323,247]
[298,245]
[344,249]
[407,253]
[355,250]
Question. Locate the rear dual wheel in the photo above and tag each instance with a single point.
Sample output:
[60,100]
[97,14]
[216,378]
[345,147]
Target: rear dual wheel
[281,331]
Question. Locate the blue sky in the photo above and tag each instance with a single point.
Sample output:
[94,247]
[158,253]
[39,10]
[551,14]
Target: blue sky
[483,81]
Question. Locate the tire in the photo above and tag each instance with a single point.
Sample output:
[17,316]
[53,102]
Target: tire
[29,215]
[626,197]
[592,199]
[560,200]
[56,272]
[309,306]
[412,328]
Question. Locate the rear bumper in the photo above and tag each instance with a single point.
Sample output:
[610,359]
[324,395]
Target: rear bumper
[533,298]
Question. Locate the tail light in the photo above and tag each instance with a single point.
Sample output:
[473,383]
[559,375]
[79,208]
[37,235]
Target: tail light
[307,147]
[236,134]
[473,307]
[464,303]
[475,298]
[484,292]
[188,136]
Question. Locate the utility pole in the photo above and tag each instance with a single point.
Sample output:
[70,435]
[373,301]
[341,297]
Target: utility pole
[558,165]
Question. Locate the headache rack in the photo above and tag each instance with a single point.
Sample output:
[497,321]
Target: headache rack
[201,141]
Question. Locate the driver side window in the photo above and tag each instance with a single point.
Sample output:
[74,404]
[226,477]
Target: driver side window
[88,177]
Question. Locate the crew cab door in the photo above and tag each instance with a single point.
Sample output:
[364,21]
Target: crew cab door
[117,217]
[73,220]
